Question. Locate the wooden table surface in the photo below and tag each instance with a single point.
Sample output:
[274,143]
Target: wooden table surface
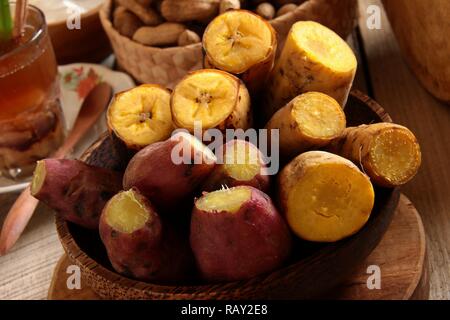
[27,270]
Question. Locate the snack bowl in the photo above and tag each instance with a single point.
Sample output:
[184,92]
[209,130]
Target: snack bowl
[167,65]
[312,270]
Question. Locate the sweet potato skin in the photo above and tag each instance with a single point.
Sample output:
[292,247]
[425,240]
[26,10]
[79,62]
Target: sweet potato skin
[355,144]
[220,177]
[250,242]
[76,191]
[256,75]
[152,253]
[297,170]
[293,140]
[163,182]
[295,72]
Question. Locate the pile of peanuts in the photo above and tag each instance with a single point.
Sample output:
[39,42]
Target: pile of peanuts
[168,23]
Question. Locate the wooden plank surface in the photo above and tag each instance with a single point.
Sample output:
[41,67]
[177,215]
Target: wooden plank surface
[26,271]
[401,95]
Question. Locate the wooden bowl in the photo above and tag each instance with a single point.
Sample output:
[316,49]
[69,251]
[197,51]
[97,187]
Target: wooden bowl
[313,270]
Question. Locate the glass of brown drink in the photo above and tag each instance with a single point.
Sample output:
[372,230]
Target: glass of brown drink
[31,120]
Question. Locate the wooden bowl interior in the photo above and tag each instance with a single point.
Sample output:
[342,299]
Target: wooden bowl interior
[312,270]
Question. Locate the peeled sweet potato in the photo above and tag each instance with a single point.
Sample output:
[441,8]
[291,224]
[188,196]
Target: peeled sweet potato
[212,99]
[388,153]
[139,244]
[139,117]
[314,58]
[76,191]
[239,163]
[243,44]
[237,234]
[324,197]
[310,121]
[168,172]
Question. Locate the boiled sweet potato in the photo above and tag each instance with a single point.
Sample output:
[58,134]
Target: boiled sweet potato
[388,153]
[168,172]
[237,234]
[314,58]
[239,163]
[311,120]
[324,197]
[213,99]
[76,191]
[139,244]
[241,43]
[140,116]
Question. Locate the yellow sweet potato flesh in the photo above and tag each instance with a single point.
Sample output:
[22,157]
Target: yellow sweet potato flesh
[388,153]
[324,197]
[323,46]
[314,58]
[318,116]
[126,214]
[237,40]
[395,155]
[228,200]
[208,97]
[242,162]
[38,177]
[310,121]
[141,116]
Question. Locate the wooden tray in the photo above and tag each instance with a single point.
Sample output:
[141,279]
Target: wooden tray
[401,256]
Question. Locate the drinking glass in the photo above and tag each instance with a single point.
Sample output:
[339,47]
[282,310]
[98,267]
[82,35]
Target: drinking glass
[31,120]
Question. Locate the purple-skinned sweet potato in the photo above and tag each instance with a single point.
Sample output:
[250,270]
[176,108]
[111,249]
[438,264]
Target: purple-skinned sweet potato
[139,244]
[76,191]
[167,173]
[237,234]
[240,163]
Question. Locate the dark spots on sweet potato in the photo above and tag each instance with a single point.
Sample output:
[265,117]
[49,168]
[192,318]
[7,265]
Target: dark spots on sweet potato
[141,246]
[153,273]
[65,190]
[106,195]
[114,234]
[79,209]
[247,215]
[189,169]
[127,272]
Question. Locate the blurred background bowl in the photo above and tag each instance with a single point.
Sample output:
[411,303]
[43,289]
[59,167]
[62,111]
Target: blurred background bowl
[89,43]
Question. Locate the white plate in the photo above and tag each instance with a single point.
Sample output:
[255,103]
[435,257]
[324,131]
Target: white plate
[76,81]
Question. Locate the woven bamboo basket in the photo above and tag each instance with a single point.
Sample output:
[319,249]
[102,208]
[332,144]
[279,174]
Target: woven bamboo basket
[166,66]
